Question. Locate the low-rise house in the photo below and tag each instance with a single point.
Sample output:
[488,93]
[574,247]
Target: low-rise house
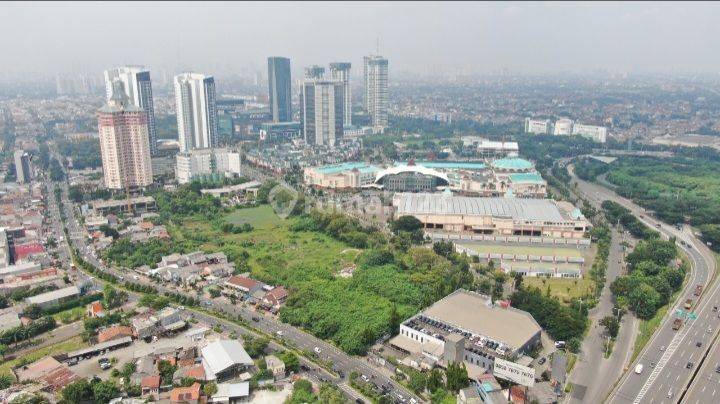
[196,372]
[95,309]
[114,332]
[230,393]
[52,375]
[150,385]
[275,298]
[242,286]
[145,326]
[186,395]
[9,320]
[275,365]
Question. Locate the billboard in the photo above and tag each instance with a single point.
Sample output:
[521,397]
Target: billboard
[513,372]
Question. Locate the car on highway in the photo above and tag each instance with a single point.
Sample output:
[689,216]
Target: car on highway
[662,348]
[698,344]
[638,368]
[717,369]
[709,330]
[689,365]
[670,393]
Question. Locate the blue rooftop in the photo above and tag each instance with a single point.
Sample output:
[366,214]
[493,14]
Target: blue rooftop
[512,164]
[448,165]
[337,168]
[526,178]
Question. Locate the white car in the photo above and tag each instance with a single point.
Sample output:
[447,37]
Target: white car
[638,368]
[317,350]
[279,333]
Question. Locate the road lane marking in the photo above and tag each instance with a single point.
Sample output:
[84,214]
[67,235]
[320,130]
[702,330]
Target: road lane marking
[669,351]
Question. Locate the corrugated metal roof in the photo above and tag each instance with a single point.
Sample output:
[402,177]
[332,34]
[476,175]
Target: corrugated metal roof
[517,209]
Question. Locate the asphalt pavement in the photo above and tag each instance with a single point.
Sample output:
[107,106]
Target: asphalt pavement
[667,355]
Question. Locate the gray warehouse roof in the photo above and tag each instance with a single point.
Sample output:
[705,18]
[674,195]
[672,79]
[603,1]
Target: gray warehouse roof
[443,204]
[53,295]
[474,313]
[222,354]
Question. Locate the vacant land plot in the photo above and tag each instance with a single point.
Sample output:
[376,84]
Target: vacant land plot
[261,217]
[563,288]
[276,254]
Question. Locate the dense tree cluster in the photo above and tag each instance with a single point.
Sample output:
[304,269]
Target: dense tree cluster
[616,213]
[340,227]
[129,254]
[385,288]
[678,189]
[23,332]
[83,153]
[651,281]
[561,322]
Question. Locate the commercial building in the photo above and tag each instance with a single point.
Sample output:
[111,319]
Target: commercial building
[54,297]
[490,148]
[468,327]
[341,72]
[138,88]
[322,112]
[279,89]
[563,127]
[493,216]
[376,90]
[314,72]
[538,126]
[5,245]
[137,204]
[206,162]
[595,133]
[196,109]
[411,178]
[224,359]
[280,132]
[23,174]
[124,145]
[341,176]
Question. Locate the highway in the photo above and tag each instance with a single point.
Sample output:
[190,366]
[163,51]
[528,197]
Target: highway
[343,363]
[666,356]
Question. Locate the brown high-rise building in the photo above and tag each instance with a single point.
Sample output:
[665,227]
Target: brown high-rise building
[124,145]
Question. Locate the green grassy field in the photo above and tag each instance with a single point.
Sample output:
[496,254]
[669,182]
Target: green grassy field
[261,217]
[72,344]
[529,250]
[277,254]
[562,288]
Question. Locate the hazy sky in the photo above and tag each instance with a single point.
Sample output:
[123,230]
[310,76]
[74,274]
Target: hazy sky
[420,37]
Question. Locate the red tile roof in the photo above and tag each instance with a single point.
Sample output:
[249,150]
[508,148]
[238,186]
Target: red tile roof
[114,332]
[150,382]
[182,394]
[22,251]
[243,282]
[95,308]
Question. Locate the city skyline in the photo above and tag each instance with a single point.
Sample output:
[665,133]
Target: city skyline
[484,37]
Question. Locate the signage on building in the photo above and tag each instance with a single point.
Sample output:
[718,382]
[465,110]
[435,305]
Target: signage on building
[513,372]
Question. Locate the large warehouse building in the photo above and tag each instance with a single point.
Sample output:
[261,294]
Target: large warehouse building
[493,216]
[467,327]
